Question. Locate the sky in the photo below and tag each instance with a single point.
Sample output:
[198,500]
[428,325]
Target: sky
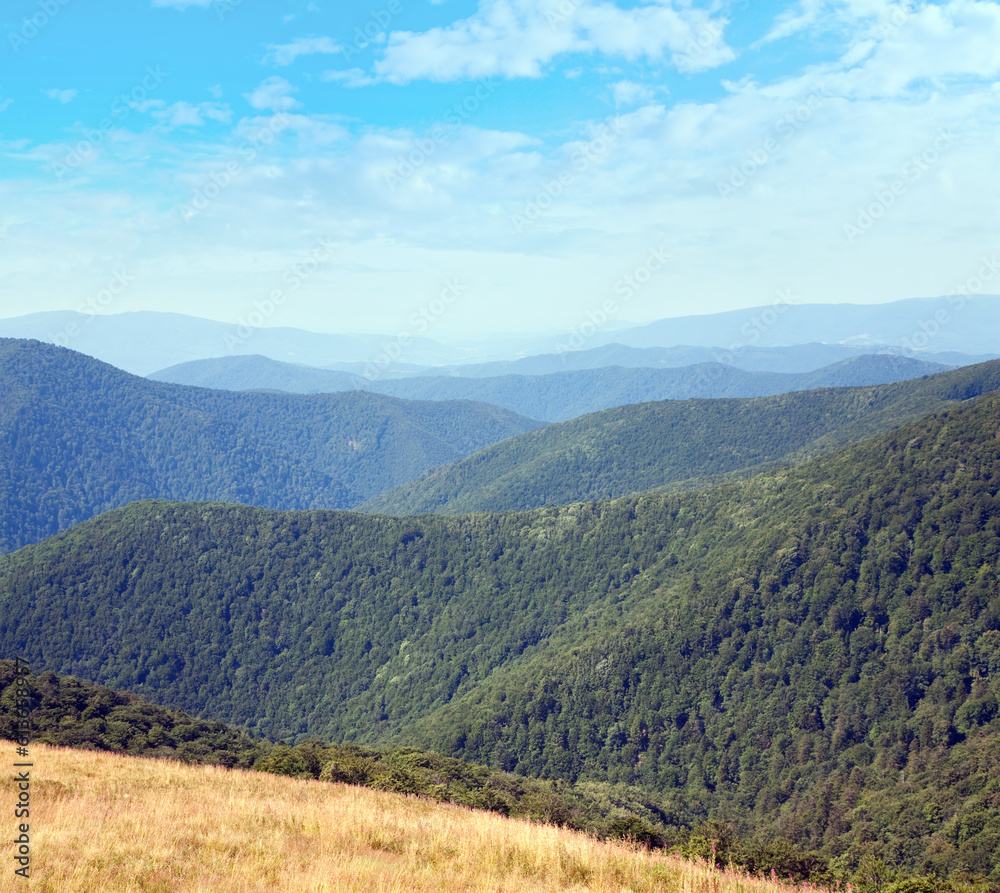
[459,168]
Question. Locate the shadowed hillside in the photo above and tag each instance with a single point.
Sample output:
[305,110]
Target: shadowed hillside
[79,437]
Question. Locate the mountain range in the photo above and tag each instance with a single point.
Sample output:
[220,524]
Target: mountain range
[812,653]
[144,342]
[80,436]
[553,397]
[647,446]
[775,618]
[969,324]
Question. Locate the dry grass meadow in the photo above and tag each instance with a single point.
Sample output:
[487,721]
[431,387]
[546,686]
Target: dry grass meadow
[110,824]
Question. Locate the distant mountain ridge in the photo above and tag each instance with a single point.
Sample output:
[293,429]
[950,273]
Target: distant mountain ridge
[554,397]
[78,437]
[955,322]
[255,372]
[144,342]
[636,448]
[558,397]
[790,358]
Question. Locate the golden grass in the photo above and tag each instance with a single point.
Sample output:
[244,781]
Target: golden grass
[110,824]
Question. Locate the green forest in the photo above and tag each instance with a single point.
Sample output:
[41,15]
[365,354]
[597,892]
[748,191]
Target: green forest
[812,654]
[638,448]
[78,437]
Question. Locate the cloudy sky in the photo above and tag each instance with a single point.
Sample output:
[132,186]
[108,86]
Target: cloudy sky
[513,165]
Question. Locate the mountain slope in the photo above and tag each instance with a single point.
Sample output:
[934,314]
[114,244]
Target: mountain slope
[78,437]
[825,656]
[774,652]
[636,448]
[67,712]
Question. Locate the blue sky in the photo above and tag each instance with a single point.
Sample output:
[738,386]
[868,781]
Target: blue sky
[339,166]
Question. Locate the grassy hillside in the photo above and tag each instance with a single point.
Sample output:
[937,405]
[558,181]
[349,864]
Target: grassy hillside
[638,448]
[78,437]
[120,824]
[814,652]
[68,712]
[65,710]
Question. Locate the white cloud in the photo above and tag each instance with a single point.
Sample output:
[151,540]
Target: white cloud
[517,38]
[899,51]
[273,94]
[62,96]
[793,21]
[186,114]
[5,104]
[311,130]
[630,93]
[286,53]
[692,38]
[351,77]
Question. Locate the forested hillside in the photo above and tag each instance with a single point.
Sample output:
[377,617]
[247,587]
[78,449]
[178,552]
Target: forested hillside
[638,448]
[814,652]
[78,437]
